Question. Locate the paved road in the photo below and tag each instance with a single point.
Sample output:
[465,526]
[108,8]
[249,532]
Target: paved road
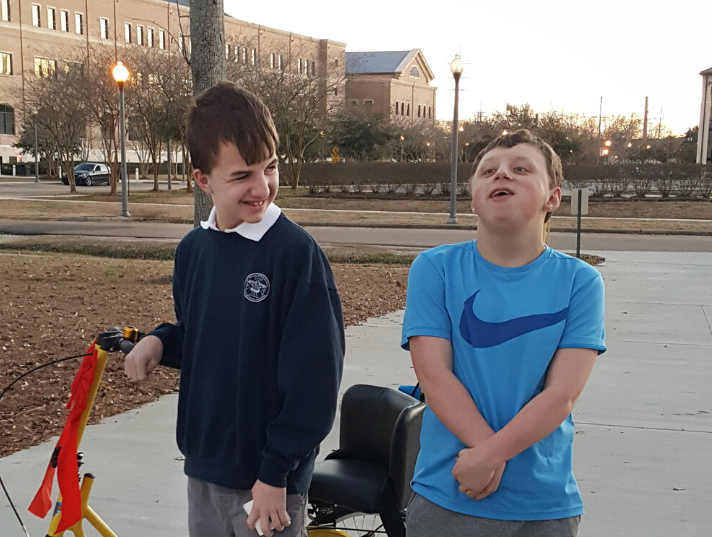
[415,238]
[28,188]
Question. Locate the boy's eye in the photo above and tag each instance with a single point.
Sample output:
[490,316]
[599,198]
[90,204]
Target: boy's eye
[272,168]
[520,169]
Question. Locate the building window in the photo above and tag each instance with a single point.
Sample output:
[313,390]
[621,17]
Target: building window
[139,35]
[181,43]
[313,68]
[306,67]
[280,64]
[253,57]
[299,66]
[36,20]
[64,20]
[414,72]
[402,109]
[7,119]
[149,37]
[45,68]
[354,102]
[227,51]
[104,24]
[271,60]
[395,113]
[407,110]
[5,10]
[127,32]
[5,63]
[51,18]
[336,62]
[430,110]
[161,39]
[79,23]
[368,104]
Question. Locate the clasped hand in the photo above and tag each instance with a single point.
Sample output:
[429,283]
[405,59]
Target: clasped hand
[478,476]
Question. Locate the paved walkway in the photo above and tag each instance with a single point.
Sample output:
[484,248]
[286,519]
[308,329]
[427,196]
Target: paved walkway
[643,455]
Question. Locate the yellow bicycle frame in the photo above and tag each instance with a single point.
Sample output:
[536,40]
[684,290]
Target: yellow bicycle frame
[88,513]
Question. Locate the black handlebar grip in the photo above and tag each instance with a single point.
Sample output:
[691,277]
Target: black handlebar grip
[126,346]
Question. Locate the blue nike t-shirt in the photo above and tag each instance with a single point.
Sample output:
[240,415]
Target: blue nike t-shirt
[505,325]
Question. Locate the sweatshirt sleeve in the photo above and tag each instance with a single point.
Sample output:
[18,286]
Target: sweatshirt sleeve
[172,334]
[310,365]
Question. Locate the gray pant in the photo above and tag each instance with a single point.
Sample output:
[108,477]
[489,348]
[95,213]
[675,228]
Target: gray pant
[426,519]
[215,511]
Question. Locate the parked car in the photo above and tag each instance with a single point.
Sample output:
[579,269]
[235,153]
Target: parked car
[89,173]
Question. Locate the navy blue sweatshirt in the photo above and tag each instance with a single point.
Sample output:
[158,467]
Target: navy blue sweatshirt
[259,340]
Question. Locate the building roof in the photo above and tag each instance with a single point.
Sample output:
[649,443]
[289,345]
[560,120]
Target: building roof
[707,72]
[382,62]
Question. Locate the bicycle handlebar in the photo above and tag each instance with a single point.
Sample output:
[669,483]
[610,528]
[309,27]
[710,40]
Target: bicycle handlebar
[118,339]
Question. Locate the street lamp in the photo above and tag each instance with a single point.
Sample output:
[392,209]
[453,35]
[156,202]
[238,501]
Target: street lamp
[456,67]
[121,74]
[402,138]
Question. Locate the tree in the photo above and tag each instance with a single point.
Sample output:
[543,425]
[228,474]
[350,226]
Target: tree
[300,104]
[57,96]
[359,137]
[207,66]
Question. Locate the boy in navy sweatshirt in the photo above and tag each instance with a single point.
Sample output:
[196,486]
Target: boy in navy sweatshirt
[258,336]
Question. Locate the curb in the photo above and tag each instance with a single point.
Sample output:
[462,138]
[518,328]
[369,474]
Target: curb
[461,227]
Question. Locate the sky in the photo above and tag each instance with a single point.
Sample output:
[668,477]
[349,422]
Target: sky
[552,54]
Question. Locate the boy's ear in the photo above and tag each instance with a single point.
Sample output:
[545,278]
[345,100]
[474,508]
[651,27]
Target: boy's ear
[202,181]
[554,200]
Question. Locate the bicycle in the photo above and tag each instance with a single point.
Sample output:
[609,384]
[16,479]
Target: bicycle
[359,490]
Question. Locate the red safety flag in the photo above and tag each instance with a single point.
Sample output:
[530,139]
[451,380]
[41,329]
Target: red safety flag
[64,457]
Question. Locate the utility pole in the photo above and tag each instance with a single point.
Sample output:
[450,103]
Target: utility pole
[660,122]
[645,122]
[600,111]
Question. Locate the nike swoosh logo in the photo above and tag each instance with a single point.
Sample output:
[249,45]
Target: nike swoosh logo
[482,334]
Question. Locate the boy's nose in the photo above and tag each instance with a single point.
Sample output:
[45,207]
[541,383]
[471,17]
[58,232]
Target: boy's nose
[502,173]
[260,187]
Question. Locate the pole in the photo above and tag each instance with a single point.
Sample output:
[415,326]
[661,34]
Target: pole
[124,178]
[452,219]
[578,224]
[37,158]
[169,164]
[600,111]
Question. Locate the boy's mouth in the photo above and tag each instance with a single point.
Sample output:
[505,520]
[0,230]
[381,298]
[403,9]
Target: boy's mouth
[255,203]
[501,193]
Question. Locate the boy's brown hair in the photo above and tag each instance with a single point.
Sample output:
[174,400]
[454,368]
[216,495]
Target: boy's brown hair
[225,113]
[553,163]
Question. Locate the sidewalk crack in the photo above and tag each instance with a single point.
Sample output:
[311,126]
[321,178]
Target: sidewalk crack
[709,325]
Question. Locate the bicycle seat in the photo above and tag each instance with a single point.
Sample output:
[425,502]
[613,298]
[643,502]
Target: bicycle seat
[379,441]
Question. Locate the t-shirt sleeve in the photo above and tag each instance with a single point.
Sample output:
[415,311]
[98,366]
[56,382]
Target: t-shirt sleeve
[425,310]
[584,327]
[172,335]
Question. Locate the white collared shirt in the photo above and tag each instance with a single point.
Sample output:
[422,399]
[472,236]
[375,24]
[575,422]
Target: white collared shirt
[254,232]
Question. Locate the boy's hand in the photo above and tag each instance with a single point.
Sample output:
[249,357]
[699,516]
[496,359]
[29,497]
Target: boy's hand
[269,507]
[144,358]
[476,473]
[493,485]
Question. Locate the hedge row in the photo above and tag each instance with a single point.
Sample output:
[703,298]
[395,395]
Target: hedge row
[427,178]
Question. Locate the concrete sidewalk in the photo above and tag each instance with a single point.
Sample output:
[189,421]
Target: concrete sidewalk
[643,455]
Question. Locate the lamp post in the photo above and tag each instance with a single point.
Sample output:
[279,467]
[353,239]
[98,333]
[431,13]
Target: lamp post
[456,66]
[402,139]
[121,74]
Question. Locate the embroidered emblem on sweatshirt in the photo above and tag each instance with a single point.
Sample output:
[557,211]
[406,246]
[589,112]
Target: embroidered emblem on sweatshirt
[256,287]
[482,334]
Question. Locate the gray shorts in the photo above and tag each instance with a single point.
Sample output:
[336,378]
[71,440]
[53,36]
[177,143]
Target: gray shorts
[215,511]
[426,519]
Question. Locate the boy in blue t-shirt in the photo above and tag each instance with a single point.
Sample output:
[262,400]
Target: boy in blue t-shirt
[258,337]
[503,333]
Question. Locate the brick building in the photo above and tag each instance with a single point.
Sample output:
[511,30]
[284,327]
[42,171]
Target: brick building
[37,37]
[394,84]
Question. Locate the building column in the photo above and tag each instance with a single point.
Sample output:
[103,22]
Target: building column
[703,134]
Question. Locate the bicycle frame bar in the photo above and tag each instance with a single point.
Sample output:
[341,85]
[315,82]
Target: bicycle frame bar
[88,480]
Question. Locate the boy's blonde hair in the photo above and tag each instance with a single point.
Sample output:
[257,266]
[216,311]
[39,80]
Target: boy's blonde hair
[553,163]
